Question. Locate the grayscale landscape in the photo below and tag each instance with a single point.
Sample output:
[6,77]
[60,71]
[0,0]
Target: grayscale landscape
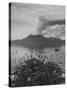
[37,36]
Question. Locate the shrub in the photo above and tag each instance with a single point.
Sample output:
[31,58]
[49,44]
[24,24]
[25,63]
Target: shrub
[35,72]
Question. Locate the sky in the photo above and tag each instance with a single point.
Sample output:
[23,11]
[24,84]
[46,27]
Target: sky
[32,19]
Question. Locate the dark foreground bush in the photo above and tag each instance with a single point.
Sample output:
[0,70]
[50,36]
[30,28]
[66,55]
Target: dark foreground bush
[35,72]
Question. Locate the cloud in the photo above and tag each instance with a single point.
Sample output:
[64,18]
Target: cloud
[44,23]
[33,19]
[55,22]
[57,31]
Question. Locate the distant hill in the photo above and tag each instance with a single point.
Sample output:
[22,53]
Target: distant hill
[38,41]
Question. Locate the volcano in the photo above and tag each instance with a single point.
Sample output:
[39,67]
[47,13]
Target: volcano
[38,41]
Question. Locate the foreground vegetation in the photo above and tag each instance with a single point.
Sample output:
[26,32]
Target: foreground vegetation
[35,72]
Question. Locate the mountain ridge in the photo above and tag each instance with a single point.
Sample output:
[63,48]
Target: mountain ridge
[38,41]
